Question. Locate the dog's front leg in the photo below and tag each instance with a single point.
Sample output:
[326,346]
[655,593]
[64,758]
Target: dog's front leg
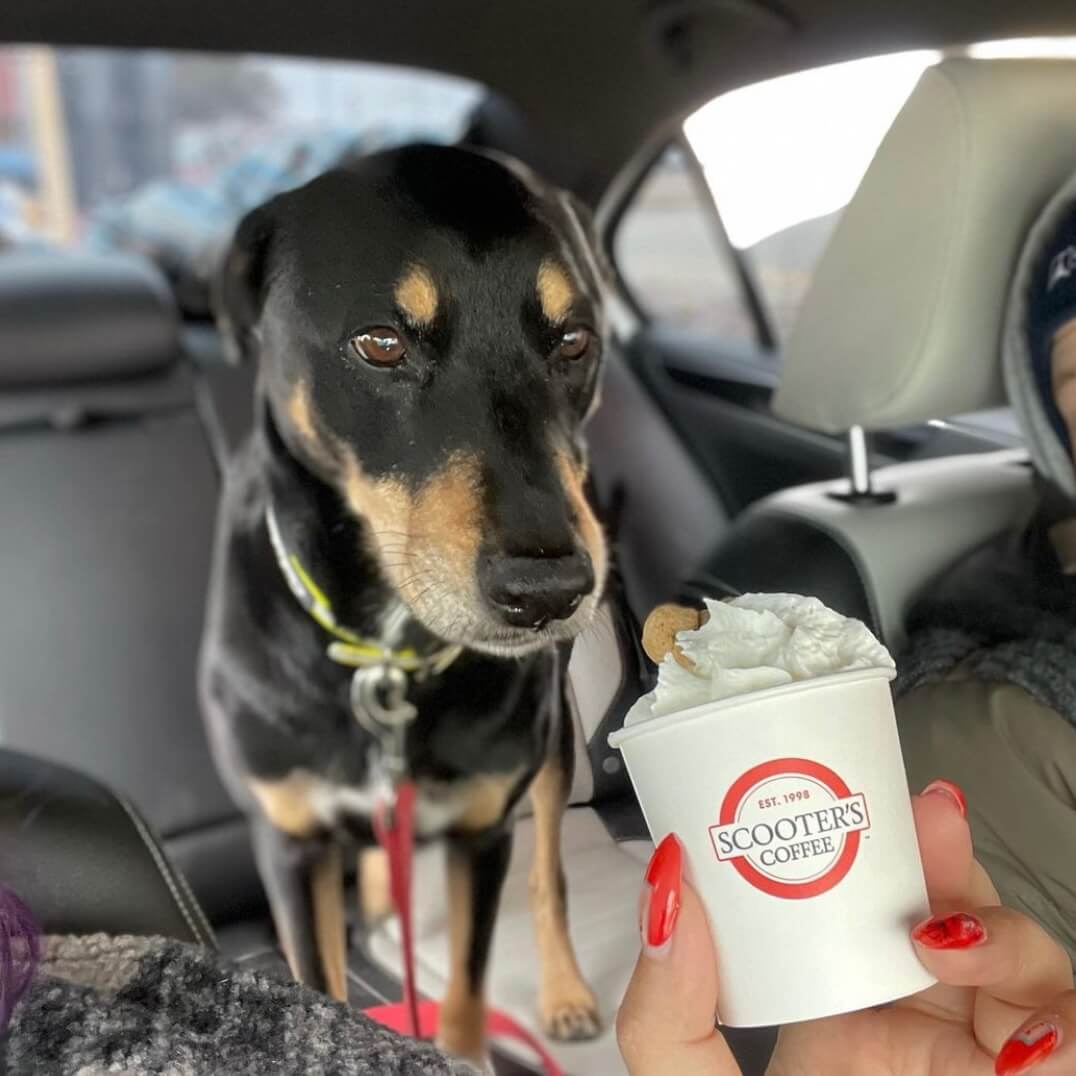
[304,880]
[477,865]
[567,1006]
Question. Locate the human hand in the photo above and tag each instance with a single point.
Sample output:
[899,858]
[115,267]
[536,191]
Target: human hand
[1003,1004]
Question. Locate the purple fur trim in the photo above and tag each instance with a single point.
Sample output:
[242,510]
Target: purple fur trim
[20,951]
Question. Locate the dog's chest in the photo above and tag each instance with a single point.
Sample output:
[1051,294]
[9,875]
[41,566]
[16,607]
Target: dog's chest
[471,804]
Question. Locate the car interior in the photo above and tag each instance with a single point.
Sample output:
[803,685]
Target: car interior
[728,453]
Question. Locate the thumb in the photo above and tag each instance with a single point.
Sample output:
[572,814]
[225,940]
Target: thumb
[666,1021]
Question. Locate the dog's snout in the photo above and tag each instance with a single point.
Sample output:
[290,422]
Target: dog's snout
[529,592]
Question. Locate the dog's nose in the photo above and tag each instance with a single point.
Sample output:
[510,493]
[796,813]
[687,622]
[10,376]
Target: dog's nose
[529,592]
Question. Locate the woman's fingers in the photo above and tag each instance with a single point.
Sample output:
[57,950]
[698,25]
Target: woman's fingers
[1044,1044]
[1006,954]
[1011,961]
[666,1021]
[1014,964]
[954,879]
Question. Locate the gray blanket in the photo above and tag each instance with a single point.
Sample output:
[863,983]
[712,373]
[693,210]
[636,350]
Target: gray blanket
[152,1007]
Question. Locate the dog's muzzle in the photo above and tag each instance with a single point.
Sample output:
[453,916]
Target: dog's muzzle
[531,592]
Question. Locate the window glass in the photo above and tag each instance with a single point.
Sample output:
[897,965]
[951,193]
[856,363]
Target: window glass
[667,250]
[783,157]
[163,151]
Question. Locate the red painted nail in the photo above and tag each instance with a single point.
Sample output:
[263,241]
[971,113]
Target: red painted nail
[958,931]
[663,878]
[1027,1048]
[947,788]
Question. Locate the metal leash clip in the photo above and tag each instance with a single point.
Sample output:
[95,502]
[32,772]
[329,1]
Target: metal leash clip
[380,704]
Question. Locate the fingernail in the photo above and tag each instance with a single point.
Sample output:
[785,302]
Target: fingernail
[958,931]
[1027,1048]
[947,788]
[661,896]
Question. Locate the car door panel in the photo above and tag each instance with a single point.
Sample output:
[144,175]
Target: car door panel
[717,398]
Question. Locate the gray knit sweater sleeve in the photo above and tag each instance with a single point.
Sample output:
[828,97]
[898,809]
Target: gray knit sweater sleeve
[151,1007]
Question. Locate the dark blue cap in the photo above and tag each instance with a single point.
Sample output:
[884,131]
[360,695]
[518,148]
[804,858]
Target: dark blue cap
[1051,302]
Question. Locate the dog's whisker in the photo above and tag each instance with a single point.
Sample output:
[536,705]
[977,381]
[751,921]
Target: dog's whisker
[432,587]
[411,580]
[396,565]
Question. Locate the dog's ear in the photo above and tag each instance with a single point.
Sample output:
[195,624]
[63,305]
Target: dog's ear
[586,233]
[240,283]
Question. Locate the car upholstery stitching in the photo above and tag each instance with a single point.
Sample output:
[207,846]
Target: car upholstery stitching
[205,937]
[195,908]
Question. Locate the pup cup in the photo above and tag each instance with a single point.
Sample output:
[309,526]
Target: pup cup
[792,806]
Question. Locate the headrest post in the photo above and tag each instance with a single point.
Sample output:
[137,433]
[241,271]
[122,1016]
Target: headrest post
[861,491]
[859,462]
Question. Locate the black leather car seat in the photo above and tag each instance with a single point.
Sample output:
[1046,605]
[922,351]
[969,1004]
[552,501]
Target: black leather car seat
[84,860]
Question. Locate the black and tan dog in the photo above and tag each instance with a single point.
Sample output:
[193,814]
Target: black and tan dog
[428,328]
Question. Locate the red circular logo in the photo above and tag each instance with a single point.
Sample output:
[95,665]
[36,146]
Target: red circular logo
[791,828]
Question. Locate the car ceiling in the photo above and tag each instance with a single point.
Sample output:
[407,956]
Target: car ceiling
[597,79]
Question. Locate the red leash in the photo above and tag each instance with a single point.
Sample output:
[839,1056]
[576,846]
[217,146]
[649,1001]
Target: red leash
[397,836]
[394,827]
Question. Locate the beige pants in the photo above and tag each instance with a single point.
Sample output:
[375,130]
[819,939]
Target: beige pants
[1016,762]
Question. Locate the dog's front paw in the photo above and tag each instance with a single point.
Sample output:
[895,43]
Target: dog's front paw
[461,1033]
[571,1014]
[466,1066]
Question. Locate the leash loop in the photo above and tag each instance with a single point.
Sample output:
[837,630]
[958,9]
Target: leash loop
[380,704]
[379,697]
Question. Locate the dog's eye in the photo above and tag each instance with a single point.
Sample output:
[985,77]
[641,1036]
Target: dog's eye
[573,344]
[380,346]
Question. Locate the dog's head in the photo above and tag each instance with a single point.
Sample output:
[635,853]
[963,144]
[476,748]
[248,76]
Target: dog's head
[429,326]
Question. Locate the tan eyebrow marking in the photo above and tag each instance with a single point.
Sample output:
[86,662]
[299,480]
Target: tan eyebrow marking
[416,295]
[555,291]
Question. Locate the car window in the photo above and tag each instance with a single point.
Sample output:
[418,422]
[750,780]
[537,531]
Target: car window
[163,151]
[669,255]
[783,158]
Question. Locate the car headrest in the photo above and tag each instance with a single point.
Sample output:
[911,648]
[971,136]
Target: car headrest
[68,318]
[903,319]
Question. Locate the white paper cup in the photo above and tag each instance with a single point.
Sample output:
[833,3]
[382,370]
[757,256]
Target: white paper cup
[793,809]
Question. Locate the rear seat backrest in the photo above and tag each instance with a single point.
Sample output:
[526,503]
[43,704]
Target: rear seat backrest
[54,308]
[109,493]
